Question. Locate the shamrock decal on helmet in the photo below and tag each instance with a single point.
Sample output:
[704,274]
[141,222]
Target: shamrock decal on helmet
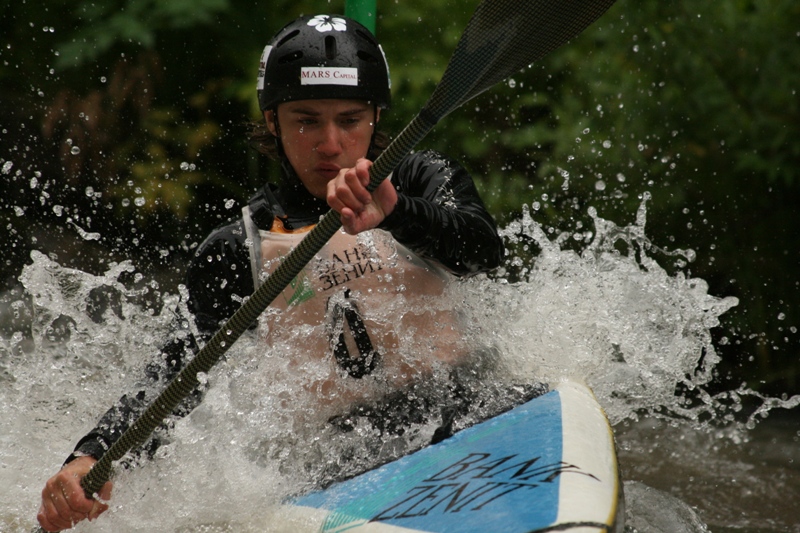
[325,23]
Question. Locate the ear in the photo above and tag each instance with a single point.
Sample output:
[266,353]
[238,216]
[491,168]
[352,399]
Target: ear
[269,116]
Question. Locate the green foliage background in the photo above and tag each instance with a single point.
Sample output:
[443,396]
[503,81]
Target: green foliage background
[128,118]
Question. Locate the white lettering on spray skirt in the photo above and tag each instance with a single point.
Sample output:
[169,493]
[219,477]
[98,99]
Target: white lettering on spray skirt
[329,76]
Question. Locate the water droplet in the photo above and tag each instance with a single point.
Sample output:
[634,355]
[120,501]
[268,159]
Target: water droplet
[7,166]
[139,201]
[229,204]
[184,166]
[75,150]
[600,185]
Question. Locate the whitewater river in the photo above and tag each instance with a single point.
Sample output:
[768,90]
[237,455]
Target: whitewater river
[610,314]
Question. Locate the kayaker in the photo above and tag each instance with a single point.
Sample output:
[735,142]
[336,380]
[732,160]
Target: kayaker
[323,83]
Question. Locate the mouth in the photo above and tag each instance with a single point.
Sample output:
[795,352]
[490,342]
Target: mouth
[330,171]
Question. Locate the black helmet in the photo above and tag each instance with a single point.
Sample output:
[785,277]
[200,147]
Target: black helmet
[323,56]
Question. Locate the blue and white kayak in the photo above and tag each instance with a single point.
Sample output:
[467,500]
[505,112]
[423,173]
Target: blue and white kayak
[547,465]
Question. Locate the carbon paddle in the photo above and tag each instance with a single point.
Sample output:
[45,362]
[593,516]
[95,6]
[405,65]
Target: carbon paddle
[502,37]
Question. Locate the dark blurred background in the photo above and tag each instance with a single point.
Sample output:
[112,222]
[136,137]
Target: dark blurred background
[123,136]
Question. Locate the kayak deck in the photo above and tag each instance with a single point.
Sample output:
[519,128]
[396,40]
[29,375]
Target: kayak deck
[547,465]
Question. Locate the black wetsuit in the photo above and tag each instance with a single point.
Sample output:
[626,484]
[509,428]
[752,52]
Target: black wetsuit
[439,215]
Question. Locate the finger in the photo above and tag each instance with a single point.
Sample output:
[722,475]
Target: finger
[341,196]
[72,506]
[46,524]
[362,170]
[349,220]
[70,502]
[56,508]
[54,516]
[100,506]
[333,199]
[76,498]
[357,186]
[358,176]
[47,516]
[97,510]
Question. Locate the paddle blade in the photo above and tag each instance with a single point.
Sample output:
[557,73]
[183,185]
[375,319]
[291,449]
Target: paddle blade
[503,37]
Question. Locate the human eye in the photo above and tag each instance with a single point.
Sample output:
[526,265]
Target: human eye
[352,121]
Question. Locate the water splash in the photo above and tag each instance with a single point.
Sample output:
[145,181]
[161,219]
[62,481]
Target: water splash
[606,312]
[609,313]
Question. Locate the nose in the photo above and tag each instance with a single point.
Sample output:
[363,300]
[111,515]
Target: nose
[330,140]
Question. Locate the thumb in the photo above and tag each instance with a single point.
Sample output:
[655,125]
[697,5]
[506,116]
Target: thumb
[100,504]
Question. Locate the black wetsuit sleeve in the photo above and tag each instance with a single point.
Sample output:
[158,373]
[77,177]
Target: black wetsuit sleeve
[440,215]
[217,279]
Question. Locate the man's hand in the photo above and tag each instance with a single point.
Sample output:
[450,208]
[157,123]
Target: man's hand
[63,502]
[360,210]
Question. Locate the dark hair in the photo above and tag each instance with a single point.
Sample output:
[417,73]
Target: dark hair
[265,143]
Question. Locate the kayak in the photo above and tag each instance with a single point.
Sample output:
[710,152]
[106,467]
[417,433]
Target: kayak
[547,465]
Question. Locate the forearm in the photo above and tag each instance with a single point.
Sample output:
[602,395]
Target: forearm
[463,240]
[215,278]
[130,406]
[440,215]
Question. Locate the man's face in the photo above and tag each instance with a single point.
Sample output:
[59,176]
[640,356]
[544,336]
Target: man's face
[320,137]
